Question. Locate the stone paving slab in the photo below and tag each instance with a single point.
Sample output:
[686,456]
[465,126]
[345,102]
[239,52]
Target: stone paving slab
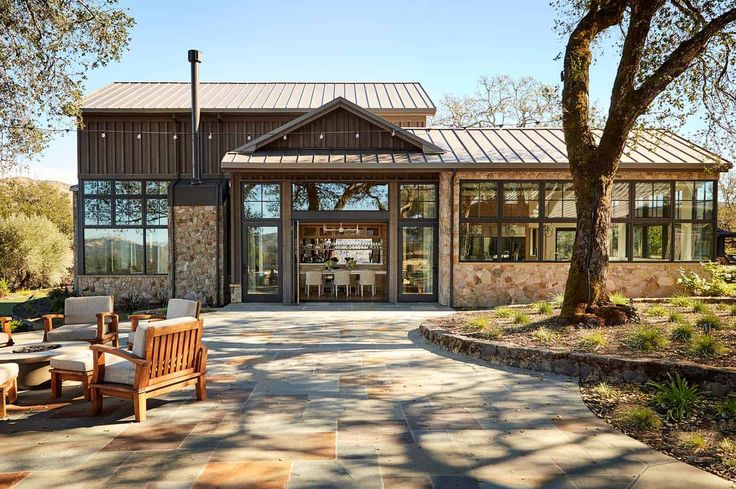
[343,396]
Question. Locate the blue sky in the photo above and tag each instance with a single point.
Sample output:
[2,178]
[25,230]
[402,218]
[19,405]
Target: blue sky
[444,45]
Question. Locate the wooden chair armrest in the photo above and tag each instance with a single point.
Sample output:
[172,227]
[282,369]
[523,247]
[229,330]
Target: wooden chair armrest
[48,321]
[5,323]
[99,349]
[101,317]
[202,364]
[136,318]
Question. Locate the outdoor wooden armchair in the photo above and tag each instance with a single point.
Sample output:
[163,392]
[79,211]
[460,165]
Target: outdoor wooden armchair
[176,308]
[6,334]
[85,319]
[167,356]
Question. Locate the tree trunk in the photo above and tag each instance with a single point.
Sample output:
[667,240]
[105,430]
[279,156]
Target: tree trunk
[586,281]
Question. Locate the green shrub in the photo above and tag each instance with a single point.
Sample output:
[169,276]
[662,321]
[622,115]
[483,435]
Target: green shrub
[732,311]
[604,390]
[678,398]
[727,407]
[16,326]
[646,338]
[543,308]
[131,302]
[557,299]
[34,252]
[707,346]
[701,307]
[521,318]
[504,312]
[727,447]
[592,340]
[492,332]
[695,441]
[656,311]
[545,335]
[638,418]
[675,317]
[709,321]
[682,331]
[4,288]
[711,283]
[477,323]
[680,300]
[618,298]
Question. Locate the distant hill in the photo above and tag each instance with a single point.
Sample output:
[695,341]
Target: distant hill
[60,186]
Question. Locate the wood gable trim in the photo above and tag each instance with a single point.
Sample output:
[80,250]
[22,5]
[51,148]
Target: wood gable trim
[408,140]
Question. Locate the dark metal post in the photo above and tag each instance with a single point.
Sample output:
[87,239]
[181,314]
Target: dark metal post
[196,156]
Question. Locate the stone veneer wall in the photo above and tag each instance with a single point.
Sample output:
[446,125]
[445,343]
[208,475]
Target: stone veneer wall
[153,288]
[197,273]
[491,284]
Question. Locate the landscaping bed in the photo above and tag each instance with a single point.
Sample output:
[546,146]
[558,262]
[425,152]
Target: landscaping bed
[673,330]
[705,438]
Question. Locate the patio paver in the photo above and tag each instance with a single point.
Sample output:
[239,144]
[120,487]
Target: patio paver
[335,396]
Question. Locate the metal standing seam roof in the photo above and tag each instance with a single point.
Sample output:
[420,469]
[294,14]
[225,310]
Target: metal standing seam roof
[382,97]
[505,146]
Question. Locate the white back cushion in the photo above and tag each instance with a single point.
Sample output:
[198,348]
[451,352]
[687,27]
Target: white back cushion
[178,308]
[141,332]
[84,310]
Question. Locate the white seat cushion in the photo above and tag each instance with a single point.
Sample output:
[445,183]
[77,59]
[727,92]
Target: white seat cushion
[8,371]
[131,335]
[178,308]
[73,332]
[78,310]
[3,338]
[80,362]
[118,370]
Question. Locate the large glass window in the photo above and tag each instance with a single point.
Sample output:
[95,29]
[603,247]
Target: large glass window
[617,249]
[262,260]
[558,240]
[559,200]
[125,227]
[620,200]
[520,200]
[694,200]
[418,201]
[651,242]
[478,242]
[261,201]
[652,199]
[478,199]
[693,242]
[338,196]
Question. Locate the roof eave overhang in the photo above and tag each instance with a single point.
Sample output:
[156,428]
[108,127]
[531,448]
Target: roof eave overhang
[186,110]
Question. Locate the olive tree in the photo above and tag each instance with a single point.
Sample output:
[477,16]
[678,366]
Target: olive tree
[46,49]
[675,58]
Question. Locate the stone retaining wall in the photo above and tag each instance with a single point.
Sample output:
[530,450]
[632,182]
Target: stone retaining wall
[153,288]
[719,381]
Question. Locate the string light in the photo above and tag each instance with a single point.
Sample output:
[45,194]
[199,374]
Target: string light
[175,137]
[139,136]
[249,137]
[102,135]
[321,135]
[357,135]
[393,133]
[284,137]
[209,136]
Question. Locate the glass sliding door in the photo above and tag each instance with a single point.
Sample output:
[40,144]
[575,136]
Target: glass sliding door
[262,263]
[418,279]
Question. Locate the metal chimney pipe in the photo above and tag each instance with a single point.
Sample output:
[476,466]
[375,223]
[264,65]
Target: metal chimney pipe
[196,155]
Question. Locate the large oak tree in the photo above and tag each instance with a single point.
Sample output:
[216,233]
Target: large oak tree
[47,48]
[676,58]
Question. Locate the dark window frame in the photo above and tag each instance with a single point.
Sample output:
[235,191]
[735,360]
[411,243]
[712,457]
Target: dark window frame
[631,220]
[306,212]
[113,197]
[432,222]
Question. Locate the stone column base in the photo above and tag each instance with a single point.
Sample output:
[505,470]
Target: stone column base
[236,293]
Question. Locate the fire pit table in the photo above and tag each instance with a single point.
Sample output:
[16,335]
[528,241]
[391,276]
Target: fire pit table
[33,360]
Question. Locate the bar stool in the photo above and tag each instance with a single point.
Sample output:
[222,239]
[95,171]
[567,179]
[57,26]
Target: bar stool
[366,278]
[313,278]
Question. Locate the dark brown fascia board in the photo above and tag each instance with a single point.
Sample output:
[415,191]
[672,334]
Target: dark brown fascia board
[338,102]
[234,166]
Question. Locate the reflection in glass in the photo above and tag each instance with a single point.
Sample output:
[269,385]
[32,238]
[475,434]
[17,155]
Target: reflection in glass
[519,242]
[157,188]
[97,187]
[478,199]
[651,242]
[617,242]
[521,199]
[694,200]
[652,199]
[418,201]
[559,200]
[262,260]
[157,251]
[97,212]
[693,242]
[262,200]
[123,187]
[335,196]
[417,260]
[128,212]
[157,212]
[620,200]
[111,251]
[478,242]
